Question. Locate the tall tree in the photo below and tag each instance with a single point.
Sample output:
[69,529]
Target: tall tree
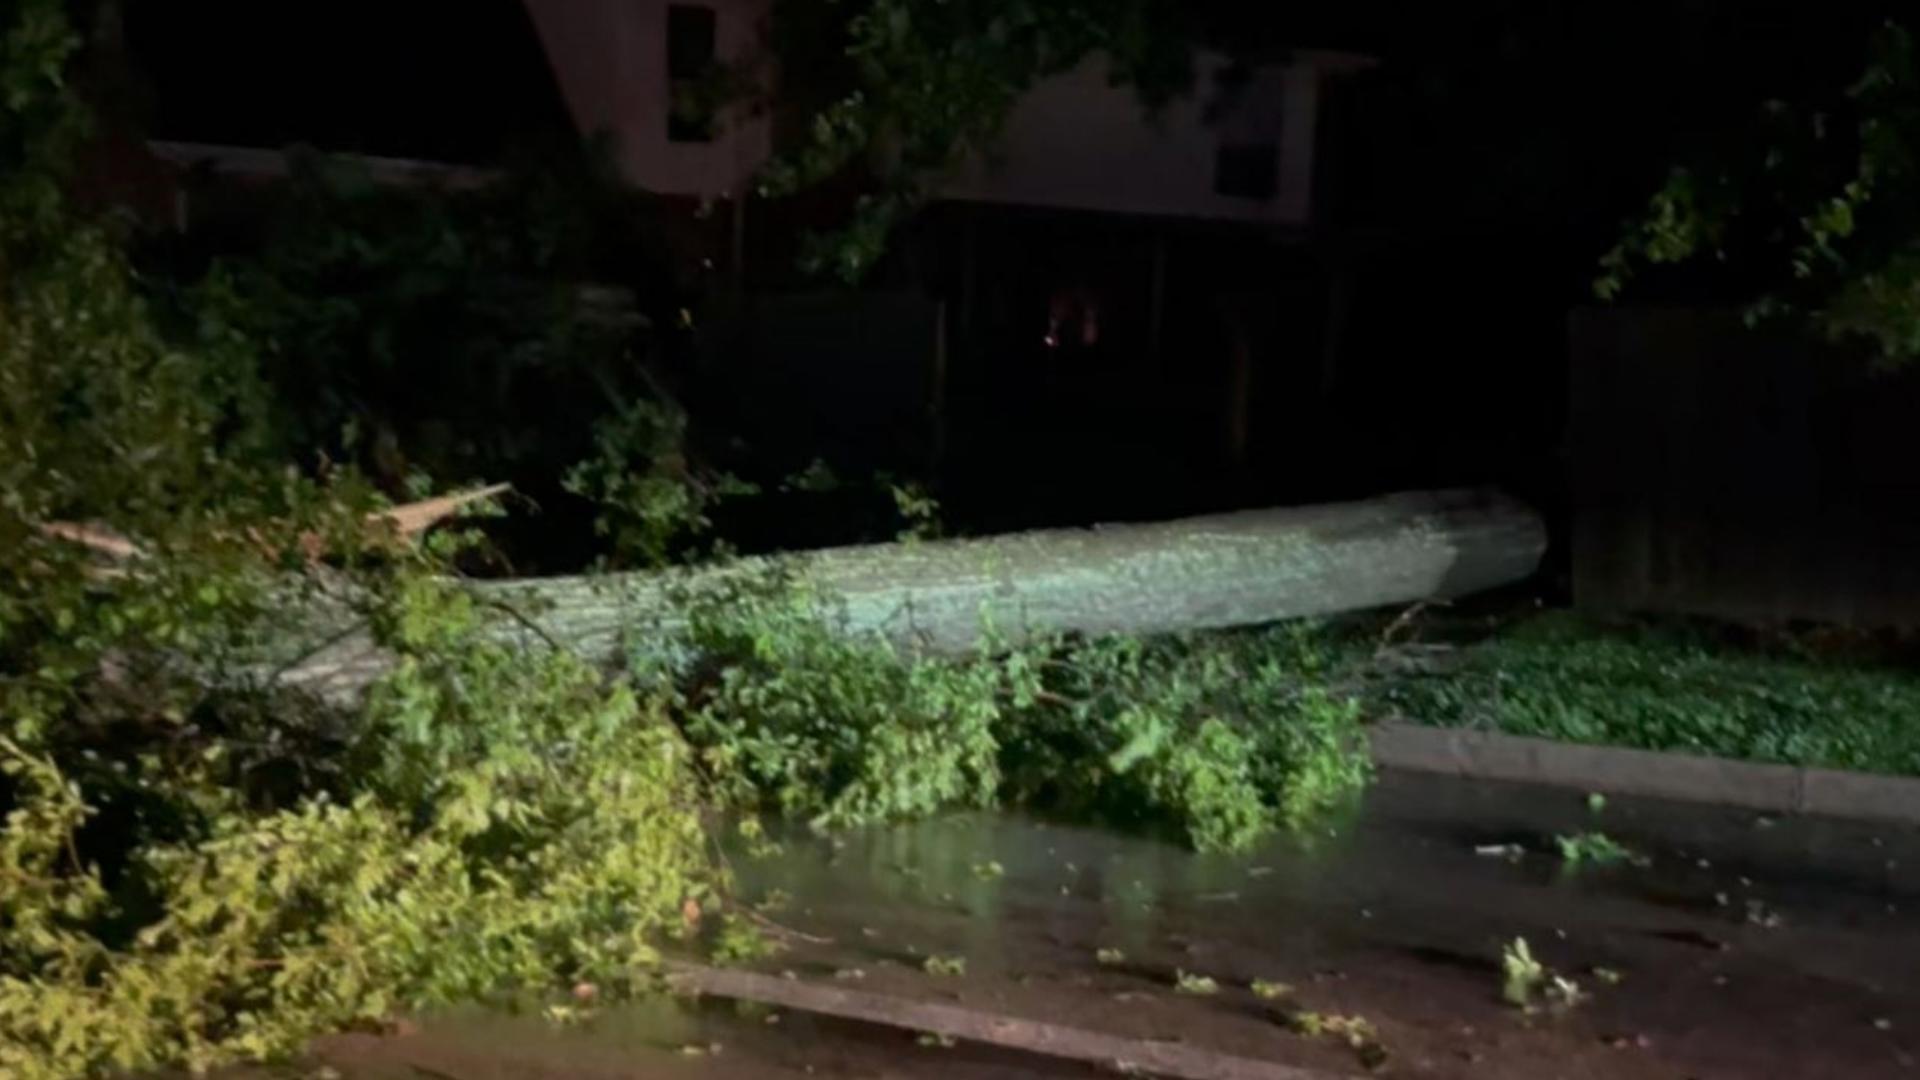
[1814,210]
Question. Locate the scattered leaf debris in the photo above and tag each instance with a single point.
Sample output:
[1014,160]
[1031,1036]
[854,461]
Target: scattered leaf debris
[945,966]
[935,1039]
[1267,990]
[1187,982]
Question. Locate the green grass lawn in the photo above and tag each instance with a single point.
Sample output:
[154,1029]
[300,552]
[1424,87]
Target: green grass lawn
[1665,687]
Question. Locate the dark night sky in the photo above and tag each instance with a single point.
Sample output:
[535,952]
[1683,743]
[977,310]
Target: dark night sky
[1540,122]
[453,80]
[1531,113]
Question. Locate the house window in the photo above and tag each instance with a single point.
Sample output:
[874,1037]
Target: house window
[691,109]
[1247,170]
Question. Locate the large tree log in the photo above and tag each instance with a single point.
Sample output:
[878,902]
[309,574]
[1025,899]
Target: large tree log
[1222,570]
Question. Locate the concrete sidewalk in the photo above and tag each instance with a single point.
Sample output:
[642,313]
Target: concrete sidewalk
[1784,789]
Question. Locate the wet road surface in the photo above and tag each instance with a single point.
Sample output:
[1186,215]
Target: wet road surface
[1738,946]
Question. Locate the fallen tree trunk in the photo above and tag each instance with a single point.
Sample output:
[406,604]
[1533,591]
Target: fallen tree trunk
[1223,570]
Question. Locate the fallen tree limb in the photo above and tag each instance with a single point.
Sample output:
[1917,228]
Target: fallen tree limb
[93,537]
[405,520]
[1223,570]
[409,519]
[1153,1057]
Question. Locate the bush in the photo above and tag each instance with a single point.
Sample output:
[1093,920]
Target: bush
[450,334]
[1223,737]
[792,715]
[522,330]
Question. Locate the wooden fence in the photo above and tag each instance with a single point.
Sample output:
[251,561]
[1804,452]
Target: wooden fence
[1751,475]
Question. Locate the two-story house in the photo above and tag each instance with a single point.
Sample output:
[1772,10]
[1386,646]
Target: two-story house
[1107,285]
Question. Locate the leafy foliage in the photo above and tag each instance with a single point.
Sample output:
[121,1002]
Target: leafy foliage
[200,864]
[945,966]
[1187,982]
[649,500]
[559,846]
[1356,1031]
[836,729]
[919,511]
[526,328]
[1520,972]
[740,942]
[1223,737]
[1814,205]
[1227,735]
[103,420]
[519,328]
[1592,847]
[1269,990]
[1522,976]
[451,332]
[911,88]
[1665,688]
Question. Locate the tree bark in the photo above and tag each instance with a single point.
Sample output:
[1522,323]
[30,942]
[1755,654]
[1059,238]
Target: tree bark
[1223,570]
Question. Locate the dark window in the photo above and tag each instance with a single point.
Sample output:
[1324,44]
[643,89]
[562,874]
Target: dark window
[690,50]
[1247,170]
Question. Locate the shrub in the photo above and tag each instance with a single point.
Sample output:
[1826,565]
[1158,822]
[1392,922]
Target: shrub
[1224,737]
[792,714]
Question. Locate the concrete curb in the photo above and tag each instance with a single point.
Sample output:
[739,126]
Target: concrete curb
[1782,789]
